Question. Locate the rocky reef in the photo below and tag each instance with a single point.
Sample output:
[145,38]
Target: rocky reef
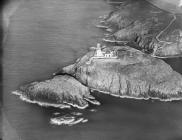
[61,91]
[133,74]
[151,29]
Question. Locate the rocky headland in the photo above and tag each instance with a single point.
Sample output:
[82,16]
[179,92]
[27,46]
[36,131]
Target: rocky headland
[133,74]
[151,29]
[61,91]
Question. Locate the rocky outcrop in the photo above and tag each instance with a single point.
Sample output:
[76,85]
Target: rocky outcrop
[133,74]
[61,91]
[149,27]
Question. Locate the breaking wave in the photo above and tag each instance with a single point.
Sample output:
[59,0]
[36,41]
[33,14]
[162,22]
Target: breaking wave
[24,98]
[59,118]
[67,120]
[138,98]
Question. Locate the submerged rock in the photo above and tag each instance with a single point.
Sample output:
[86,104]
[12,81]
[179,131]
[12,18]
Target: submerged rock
[61,91]
[132,74]
[149,27]
[67,120]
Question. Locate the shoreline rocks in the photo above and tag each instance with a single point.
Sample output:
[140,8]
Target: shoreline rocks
[61,91]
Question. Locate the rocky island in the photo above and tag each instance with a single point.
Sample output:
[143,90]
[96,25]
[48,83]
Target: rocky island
[129,73]
[61,91]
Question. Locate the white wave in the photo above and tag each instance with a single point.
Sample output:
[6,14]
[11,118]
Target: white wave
[138,98]
[77,106]
[56,113]
[62,120]
[93,110]
[64,105]
[85,120]
[102,26]
[24,98]
[67,120]
[109,30]
[91,97]
[103,17]
[95,102]
[172,56]
[114,41]
[77,113]
[76,121]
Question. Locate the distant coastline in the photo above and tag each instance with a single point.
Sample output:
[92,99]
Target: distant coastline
[167,5]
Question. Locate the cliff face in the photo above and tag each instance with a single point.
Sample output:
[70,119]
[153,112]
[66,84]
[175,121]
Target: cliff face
[149,27]
[61,90]
[133,74]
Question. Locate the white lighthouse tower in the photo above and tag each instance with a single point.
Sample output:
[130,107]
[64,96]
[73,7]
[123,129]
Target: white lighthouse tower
[99,52]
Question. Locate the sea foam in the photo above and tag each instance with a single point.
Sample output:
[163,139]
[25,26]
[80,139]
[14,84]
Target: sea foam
[69,120]
[138,98]
[24,98]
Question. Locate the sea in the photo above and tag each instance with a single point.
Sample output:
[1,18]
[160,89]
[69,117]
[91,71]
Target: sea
[46,35]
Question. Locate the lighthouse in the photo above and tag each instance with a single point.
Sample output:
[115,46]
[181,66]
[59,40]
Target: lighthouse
[99,52]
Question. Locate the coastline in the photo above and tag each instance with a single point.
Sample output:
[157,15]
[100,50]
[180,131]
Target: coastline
[167,5]
[138,98]
[61,106]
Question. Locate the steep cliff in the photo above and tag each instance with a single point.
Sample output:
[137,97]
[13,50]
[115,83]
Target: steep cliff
[133,74]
